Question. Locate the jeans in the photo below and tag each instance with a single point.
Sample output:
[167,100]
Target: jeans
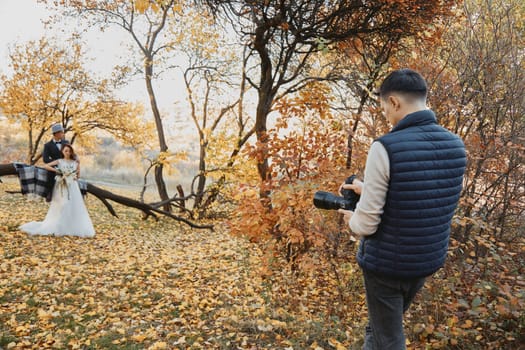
[387,300]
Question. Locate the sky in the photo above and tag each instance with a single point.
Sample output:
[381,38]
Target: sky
[21,21]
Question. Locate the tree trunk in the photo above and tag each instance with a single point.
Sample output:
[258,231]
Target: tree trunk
[201,184]
[159,179]
[7,169]
[264,105]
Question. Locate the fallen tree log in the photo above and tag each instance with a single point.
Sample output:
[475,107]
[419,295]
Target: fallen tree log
[105,196]
[7,169]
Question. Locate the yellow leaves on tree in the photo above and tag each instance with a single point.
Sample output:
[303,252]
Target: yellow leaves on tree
[142,5]
[167,159]
[49,84]
[196,34]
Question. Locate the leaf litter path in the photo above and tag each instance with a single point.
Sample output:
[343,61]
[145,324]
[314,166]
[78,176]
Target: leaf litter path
[135,285]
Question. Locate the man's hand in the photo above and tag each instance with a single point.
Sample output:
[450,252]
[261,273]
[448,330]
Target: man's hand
[347,214]
[356,186]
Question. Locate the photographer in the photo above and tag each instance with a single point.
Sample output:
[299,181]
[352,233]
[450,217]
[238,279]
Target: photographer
[412,183]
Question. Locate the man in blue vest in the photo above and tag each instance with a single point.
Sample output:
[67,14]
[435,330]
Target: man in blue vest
[412,183]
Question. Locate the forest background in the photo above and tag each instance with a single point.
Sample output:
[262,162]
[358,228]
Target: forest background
[277,103]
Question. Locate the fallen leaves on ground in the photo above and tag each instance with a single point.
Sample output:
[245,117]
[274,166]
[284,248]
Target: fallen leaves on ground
[142,285]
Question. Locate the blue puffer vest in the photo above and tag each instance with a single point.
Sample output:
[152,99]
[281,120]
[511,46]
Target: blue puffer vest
[427,163]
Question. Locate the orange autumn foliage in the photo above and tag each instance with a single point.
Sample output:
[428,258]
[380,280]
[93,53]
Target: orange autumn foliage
[303,161]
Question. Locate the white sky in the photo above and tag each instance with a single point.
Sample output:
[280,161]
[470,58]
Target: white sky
[19,21]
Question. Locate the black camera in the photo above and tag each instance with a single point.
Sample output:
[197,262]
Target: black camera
[330,201]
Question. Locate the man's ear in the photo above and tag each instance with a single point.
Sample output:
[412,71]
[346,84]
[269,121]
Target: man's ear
[395,101]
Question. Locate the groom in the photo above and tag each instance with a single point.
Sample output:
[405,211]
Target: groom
[52,148]
[52,151]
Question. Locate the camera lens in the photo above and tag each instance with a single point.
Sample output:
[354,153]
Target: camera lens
[328,201]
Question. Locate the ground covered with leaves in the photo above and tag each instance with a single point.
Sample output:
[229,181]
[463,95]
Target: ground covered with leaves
[145,284]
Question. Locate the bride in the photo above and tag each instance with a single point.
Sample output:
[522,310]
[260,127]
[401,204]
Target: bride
[67,214]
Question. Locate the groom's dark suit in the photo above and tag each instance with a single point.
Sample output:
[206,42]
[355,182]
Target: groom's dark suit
[51,153]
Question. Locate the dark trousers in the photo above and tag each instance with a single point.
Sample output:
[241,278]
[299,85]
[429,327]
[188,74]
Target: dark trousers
[50,184]
[387,300]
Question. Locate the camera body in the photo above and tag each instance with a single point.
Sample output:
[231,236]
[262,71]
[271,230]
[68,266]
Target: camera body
[330,201]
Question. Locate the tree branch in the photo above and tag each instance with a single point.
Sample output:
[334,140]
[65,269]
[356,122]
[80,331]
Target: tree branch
[105,196]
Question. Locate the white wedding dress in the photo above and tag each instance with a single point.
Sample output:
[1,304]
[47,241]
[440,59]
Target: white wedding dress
[67,214]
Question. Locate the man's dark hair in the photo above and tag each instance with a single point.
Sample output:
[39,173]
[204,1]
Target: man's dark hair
[404,81]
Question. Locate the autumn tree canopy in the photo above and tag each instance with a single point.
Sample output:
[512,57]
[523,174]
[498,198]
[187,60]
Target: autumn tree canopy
[213,78]
[49,84]
[283,37]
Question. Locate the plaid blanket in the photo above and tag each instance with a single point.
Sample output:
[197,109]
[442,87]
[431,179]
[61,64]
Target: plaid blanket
[39,181]
[34,179]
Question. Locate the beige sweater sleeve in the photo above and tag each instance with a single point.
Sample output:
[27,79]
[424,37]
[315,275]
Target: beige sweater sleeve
[367,215]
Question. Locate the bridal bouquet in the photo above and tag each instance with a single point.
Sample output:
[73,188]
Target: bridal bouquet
[65,176]
[66,172]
